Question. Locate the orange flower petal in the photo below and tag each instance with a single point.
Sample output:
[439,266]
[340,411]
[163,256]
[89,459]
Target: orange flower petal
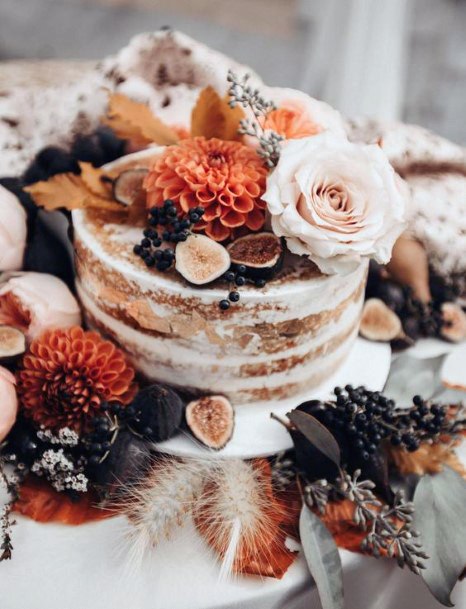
[217,231]
[255,219]
[232,219]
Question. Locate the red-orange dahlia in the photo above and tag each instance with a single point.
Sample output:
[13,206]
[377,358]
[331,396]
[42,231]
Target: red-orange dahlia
[226,178]
[66,375]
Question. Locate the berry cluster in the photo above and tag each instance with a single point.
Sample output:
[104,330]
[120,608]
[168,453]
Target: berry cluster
[368,417]
[166,225]
[236,277]
[365,418]
[98,441]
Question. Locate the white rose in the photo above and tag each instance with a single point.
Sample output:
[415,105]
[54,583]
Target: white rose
[336,202]
[13,231]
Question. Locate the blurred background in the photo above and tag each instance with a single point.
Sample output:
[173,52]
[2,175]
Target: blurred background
[384,58]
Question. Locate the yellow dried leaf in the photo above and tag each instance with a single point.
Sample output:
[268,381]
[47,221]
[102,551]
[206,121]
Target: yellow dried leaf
[213,117]
[141,312]
[94,179]
[428,459]
[68,191]
[135,121]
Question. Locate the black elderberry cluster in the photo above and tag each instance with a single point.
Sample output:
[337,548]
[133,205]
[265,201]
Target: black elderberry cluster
[166,225]
[368,417]
[236,277]
[98,441]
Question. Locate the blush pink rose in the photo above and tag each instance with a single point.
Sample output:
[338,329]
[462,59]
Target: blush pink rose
[13,231]
[336,202]
[34,302]
[8,402]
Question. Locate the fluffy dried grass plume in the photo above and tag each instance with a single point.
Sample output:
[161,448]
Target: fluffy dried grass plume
[160,502]
[232,505]
[240,518]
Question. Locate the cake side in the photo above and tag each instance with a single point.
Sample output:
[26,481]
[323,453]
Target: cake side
[284,338]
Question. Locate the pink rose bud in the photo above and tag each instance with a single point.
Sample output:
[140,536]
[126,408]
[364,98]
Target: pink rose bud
[8,402]
[34,302]
[13,231]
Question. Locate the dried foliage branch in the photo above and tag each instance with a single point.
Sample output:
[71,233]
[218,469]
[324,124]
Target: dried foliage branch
[241,93]
[389,528]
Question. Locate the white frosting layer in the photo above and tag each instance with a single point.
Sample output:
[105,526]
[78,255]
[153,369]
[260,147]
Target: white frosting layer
[206,370]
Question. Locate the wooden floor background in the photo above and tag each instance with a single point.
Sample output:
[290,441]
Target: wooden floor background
[267,34]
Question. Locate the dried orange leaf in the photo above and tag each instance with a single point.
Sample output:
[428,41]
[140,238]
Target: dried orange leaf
[428,459]
[40,502]
[213,117]
[68,191]
[94,179]
[135,121]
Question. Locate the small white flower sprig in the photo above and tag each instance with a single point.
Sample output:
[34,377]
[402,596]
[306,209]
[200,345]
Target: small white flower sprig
[242,94]
[61,471]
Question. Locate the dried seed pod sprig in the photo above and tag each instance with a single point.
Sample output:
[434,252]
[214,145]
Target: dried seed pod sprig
[240,92]
[283,471]
[389,528]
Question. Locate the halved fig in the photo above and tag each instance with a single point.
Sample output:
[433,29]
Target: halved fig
[454,322]
[127,187]
[201,260]
[211,420]
[12,344]
[378,322]
[261,253]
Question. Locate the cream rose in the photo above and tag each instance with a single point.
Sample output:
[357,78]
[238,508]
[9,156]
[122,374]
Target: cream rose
[12,231]
[336,202]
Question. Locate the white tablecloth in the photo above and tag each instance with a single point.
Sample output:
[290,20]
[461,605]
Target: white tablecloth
[86,567]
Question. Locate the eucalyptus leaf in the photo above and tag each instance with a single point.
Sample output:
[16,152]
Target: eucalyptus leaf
[439,503]
[317,434]
[323,559]
[410,376]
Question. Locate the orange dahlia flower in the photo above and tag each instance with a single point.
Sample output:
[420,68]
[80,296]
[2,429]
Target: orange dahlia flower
[226,178]
[67,374]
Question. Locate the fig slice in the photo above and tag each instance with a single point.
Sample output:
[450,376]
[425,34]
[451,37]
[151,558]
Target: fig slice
[261,253]
[201,260]
[12,344]
[454,322]
[127,187]
[211,420]
[378,322]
